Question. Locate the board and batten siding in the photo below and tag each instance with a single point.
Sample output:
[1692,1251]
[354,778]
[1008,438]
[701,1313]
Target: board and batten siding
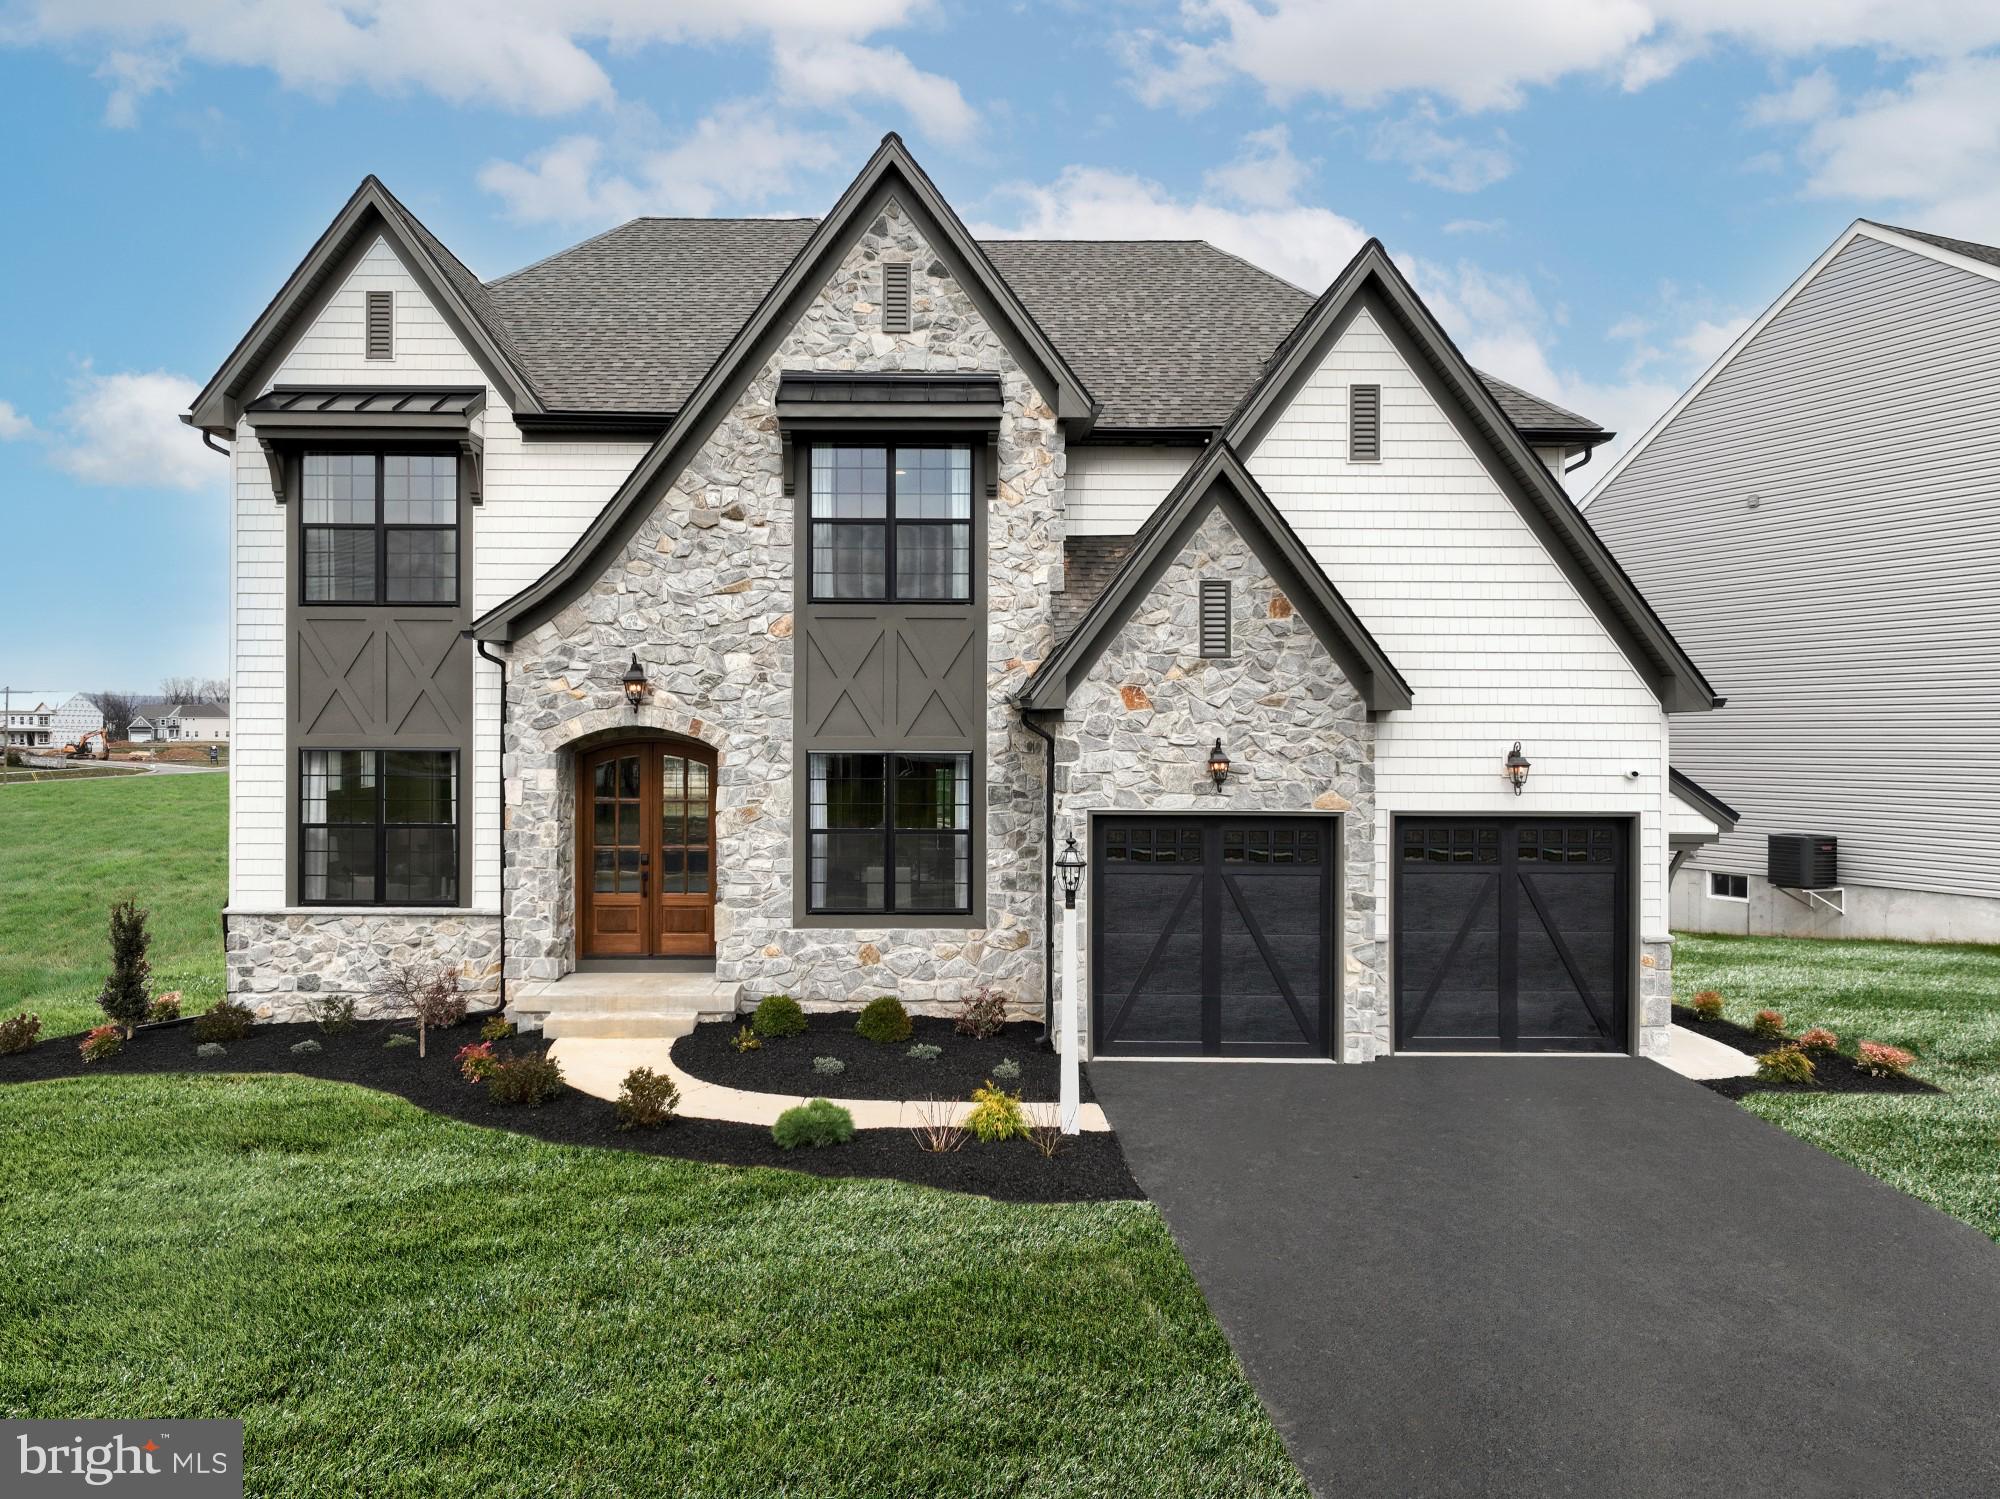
[1110,490]
[1495,641]
[1849,617]
[536,504]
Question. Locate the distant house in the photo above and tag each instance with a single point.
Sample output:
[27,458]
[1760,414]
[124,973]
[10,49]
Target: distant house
[1818,519]
[76,714]
[167,723]
[29,727]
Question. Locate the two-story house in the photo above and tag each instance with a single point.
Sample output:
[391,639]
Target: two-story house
[772,599]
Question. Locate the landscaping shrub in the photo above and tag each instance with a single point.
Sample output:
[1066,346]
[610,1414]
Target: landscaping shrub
[124,997]
[164,1007]
[829,1066]
[937,1131]
[307,1048]
[210,1049]
[981,1015]
[1767,1024]
[647,1099]
[397,1041]
[1048,1139]
[18,1032]
[1787,1064]
[532,1079]
[476,1062]
[428,993]
[335,1013]
[1707,1005]
[778,1015]
[496,1028]
[228,1021]
[923,1051]
[1819,1038]
[747,1039]
[1006,1069]
[813,1124]
[104,1041]
[996,1114]
[1879,1059]
[884,1021]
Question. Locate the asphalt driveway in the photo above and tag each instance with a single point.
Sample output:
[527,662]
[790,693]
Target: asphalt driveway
[1577,1276]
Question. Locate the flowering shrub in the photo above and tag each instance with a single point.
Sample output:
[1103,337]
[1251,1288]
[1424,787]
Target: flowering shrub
[18,1032]
[104,1041]
[1819,1038]
[1880,1059]
[165,1007]
[1785,1065]
[1768,1024]
[1707,1005]
[981,1015]
[477,1062]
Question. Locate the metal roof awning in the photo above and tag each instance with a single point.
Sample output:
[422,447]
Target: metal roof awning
[816,401]
[292,414]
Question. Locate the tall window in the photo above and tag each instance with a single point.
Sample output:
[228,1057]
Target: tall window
[892,523]
[890,833]
[378,827]
[380,528]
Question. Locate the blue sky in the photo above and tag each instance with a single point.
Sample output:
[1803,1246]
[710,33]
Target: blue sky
[1593,194]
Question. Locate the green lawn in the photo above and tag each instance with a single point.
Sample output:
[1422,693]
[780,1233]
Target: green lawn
[400,1304]
[69,850]
[1941,1002]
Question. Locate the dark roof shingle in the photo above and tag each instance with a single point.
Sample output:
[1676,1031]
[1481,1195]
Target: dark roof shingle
[1089,564]
[1970,249]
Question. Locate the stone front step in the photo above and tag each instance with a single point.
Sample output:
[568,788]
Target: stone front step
[617,1025]
[633,1006]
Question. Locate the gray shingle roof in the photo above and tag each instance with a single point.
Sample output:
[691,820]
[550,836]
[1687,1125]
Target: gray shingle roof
[1971,249]
[1166,333]
[1530,413]
[1089,564]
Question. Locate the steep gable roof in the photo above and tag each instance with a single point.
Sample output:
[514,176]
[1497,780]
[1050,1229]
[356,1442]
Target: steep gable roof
[1372,279]
[1218,477]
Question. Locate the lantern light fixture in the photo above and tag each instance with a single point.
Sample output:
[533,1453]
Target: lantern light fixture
[1069,867]
[1218,767]
[1517,768]
[635,682]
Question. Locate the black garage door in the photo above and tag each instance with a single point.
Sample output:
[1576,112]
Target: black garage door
[1511,934]
[1213,936]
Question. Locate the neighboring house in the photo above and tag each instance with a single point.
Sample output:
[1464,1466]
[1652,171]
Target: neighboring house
[30,727]
[167,723]
[1818,519]
[779,595]
[76,715]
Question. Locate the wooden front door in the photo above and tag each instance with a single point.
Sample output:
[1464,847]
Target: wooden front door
[646,836]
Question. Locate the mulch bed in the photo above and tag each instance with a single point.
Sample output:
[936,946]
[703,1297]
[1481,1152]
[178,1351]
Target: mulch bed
[784,1064]
[1834,1071]
[1088,1168]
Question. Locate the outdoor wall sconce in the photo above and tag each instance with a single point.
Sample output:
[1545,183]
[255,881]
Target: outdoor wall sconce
[1218,767]
[1069,866]
[635,683]
[1517,768]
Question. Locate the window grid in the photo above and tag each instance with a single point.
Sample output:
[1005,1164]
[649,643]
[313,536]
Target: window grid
[889,834]
[379,528]
[891,524]
[378,827]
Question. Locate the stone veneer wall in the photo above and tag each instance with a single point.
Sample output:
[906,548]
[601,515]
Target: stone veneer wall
[1136,733]
[282,963]
[704,595]
[1656,997]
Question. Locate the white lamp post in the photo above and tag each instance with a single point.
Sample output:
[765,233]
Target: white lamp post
[1069,864]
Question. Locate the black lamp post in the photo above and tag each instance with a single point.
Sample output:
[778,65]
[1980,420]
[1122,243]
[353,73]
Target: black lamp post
[1069,867]
[635,682]
[1218,767]
[1517,767]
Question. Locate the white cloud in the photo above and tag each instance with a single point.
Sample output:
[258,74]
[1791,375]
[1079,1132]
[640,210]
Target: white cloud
[827,72]
[1474,226]
[1448,161]
[740,156]
[125,429]
[132,76]
[1264,174]
[14,425]
[1807,99]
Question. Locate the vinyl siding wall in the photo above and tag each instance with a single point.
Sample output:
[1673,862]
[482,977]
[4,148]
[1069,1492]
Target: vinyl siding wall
[536,503]
[1109,491]
[1849,618]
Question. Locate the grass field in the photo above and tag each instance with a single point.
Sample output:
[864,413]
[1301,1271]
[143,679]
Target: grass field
[1941,1002]
[69,850]
[400,1304]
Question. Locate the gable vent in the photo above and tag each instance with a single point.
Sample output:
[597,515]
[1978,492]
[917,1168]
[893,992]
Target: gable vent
[896,297]
[1364,423]
[1215,618]
[381,325]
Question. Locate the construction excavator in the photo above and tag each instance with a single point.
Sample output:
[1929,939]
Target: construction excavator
[94,745]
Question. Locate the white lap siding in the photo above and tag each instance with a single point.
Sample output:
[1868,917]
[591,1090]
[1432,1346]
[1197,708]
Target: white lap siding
[1109,491]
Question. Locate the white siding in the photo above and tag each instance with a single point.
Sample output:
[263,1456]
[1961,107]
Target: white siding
[1110,491]
[1496,643]
[538,499]
[1849,617]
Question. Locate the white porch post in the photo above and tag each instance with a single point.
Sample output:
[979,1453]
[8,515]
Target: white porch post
[1072,1031]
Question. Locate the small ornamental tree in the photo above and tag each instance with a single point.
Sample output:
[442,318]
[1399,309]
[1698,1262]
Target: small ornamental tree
[128,991]
[428,993]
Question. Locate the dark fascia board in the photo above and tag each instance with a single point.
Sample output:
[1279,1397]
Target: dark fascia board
[616,426]
[1218,478]
[1613,596]
[1566,437]
[890,173]
[809,416]
[371,206]
[1711,806]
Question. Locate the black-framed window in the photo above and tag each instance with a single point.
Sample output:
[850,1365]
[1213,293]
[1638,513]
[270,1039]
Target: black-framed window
[889,833]
[891,523]
[378,827]
[379,528]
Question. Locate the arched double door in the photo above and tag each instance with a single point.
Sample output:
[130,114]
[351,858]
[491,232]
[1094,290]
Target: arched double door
[646,851]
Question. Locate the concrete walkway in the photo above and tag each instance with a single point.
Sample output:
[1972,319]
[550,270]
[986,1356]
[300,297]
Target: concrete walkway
[1694,1055]
[598,1067]
[1547,1276]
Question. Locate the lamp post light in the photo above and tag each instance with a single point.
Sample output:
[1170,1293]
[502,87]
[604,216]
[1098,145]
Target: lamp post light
[1517,768]
[635,683]
[1218,767]
[1069,867]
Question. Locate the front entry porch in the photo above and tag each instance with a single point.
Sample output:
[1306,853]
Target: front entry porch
[646,850]
[631,1005]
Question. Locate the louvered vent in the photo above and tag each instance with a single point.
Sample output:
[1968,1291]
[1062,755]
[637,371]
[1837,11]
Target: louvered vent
[1215,619]
[381,325]
[896,298]
[1364,423]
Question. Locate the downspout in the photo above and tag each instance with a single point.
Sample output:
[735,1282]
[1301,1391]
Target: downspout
[208,441]
[1572,468]
[1048,875]
[500,790]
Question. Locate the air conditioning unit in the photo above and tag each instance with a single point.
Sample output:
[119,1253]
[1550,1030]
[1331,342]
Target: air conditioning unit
[1802,861]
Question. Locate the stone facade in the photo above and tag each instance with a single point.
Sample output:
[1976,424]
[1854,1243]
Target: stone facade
[1656,996]
[283,963]
[703,593]
[1136,733]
